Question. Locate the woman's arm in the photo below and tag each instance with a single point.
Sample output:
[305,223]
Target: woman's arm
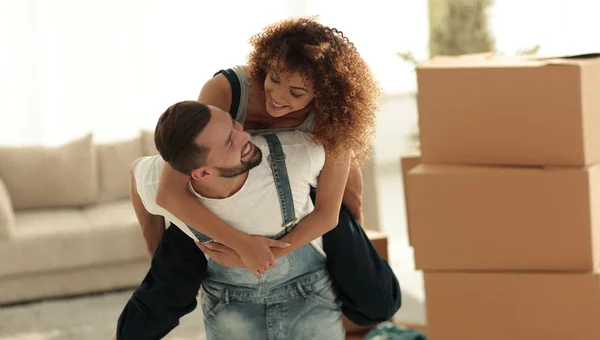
[353,193]
[324,217]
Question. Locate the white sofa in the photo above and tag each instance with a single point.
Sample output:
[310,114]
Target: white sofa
[67,226]
[66,223]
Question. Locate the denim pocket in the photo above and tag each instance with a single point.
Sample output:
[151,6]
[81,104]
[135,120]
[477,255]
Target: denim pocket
[322,292]
[315,251]
[213,300]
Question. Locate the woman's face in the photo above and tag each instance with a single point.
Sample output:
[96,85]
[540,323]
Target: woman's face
[286,92]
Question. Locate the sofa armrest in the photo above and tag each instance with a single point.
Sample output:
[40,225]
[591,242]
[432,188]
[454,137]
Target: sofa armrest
[7,213]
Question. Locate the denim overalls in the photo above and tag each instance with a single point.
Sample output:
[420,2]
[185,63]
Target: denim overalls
[294,300]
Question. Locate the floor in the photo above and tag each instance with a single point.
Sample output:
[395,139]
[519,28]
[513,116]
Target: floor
[93,317]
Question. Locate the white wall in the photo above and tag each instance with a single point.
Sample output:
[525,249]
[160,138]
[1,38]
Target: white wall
[111,67]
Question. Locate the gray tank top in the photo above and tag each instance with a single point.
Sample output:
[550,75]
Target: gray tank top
[307,126]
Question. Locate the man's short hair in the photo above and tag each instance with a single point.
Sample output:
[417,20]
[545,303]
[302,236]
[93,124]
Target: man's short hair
[175,135]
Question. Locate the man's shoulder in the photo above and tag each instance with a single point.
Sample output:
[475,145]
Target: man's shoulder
[301,143]
[297,145]
[147,169]
[288,138]
[297,137]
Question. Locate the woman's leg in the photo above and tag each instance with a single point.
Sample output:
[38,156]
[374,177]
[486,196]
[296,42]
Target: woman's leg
[168,291]
[365,283]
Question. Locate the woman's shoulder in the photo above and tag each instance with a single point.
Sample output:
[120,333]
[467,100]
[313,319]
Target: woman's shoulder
[217,92]
[246,69]
[220,83]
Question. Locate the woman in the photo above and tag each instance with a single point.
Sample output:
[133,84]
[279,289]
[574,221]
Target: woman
[300,75]
[322,83]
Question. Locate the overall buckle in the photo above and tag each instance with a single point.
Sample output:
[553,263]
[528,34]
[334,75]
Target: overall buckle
[290,225]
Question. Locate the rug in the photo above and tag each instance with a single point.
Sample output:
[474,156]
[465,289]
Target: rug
[81,318]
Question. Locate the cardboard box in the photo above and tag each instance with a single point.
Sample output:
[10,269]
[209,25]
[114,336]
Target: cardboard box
[505,218]
[380,242]
[502,306]
[407,162]
[510,110]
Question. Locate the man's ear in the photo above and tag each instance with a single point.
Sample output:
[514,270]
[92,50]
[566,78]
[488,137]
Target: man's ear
[201,173]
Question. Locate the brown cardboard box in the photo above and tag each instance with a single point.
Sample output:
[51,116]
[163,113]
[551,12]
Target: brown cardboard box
[510,110]
[502,306]
[380,242]
[505,218]
[407,162]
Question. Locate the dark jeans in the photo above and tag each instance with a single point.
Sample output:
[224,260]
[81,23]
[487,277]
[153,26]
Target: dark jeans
[365,283]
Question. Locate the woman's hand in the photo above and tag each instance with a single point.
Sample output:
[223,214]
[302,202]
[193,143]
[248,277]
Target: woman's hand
[252,256]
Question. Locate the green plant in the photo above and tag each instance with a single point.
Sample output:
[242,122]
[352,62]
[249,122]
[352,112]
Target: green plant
[463,29]
[456,27]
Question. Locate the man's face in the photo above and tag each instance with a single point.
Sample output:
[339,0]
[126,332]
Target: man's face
[230,151]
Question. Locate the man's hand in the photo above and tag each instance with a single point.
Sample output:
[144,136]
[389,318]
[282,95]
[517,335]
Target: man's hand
[221,254]
[227,257]
[255,252]
[257,255]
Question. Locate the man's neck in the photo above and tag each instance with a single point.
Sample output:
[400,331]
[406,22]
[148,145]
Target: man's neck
[220,187]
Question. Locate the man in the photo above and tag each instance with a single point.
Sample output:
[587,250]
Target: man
[295,299]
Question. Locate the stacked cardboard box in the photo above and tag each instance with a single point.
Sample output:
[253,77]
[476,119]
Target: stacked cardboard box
[504,207]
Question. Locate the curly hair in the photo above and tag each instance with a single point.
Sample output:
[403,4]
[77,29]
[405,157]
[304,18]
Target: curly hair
[346,93]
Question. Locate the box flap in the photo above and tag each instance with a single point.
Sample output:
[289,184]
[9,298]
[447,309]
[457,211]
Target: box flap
[571,59]
[449,169]
[478,60]
[492,60]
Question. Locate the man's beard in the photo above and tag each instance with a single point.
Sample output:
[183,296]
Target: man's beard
[243,167]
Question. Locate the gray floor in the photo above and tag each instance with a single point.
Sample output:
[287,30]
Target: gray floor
[94,317]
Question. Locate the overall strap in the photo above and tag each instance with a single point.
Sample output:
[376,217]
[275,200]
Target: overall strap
[202,239]
[284,191]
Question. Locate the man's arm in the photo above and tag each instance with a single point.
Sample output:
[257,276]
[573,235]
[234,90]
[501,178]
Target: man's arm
[153,226]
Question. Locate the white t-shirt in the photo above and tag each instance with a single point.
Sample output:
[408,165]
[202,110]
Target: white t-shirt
[255,208]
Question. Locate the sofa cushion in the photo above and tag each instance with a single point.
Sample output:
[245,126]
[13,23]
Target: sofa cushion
[62,239]
[148,142]
[112,215]
[44,177]
[7,214]
[114,161]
